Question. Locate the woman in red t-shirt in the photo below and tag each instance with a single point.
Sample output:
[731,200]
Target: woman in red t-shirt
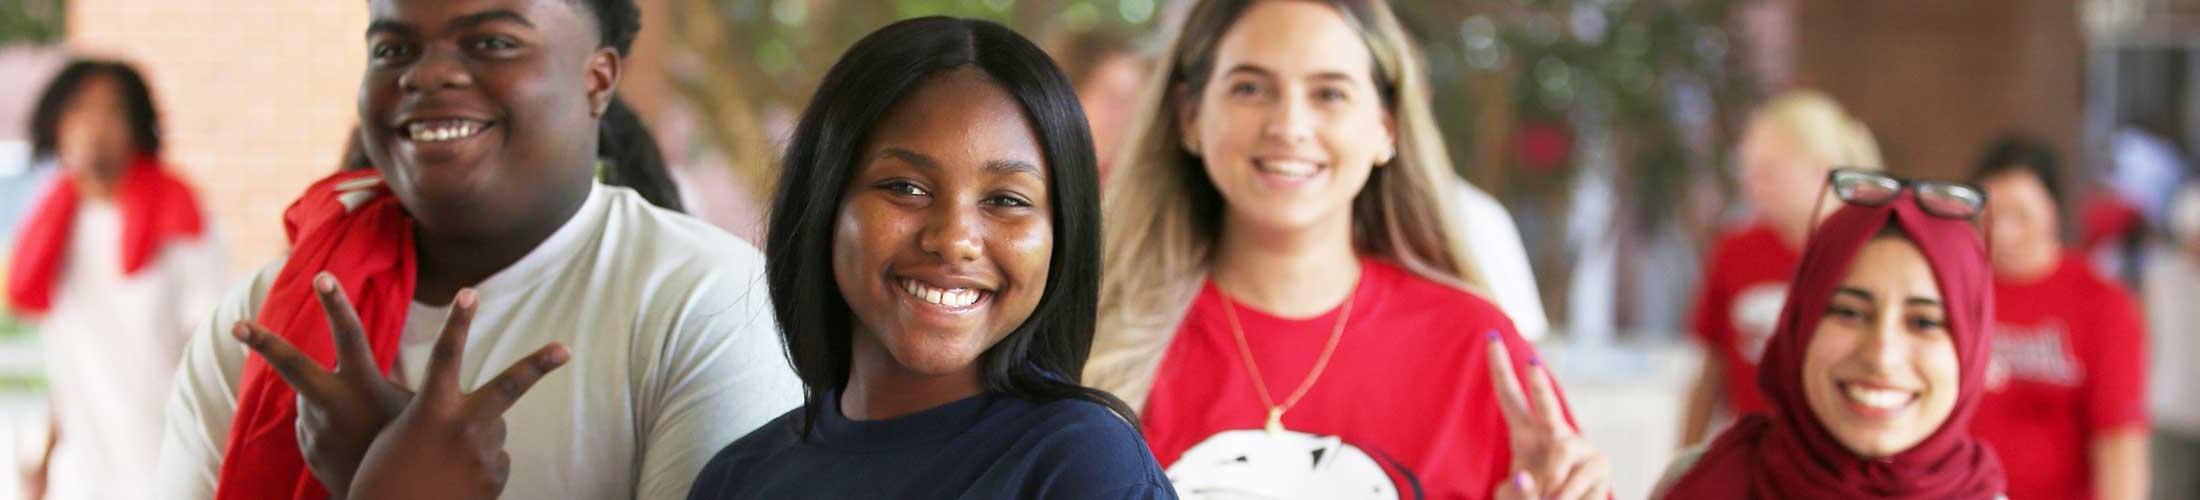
[2066,395]
[1789,145]
[1282,283]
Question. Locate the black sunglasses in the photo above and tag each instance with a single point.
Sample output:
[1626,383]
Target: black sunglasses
[1949,200]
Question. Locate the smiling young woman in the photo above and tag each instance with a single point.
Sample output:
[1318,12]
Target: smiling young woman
[934,261]
[480,252]
[1873,372]
[1284,279]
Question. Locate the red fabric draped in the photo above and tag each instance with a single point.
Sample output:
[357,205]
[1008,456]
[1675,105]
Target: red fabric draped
[156,208]
[352,227]
[1790,453]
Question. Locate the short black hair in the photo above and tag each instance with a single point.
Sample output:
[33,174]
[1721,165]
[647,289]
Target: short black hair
[2017,153]
[137,103]
[1043,359]
[617,22]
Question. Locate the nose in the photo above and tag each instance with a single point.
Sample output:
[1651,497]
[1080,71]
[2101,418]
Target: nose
[1290,120]
[439,67]
[954,234]
[1886,344]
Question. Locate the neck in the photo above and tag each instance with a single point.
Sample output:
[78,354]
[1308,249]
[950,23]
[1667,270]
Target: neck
[1293,273]
[455,259]
[2029,266]
[880,387]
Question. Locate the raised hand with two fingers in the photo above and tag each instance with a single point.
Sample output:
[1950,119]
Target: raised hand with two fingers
[1549,458]
[449,444]
[341,410]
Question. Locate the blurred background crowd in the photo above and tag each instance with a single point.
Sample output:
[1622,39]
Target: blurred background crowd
[1615,133]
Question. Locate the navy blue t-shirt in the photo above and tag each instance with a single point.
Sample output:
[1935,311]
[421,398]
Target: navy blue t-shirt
[985,446]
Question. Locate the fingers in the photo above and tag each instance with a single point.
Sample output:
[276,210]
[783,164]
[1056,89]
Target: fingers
[1520,487]
[343,324]
[492,399]
[301,372]
[1510,401]
[1586,475]
[1549,408]
[450,347]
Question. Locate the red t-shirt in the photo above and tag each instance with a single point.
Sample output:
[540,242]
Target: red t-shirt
[1745,285]
[2069,363]
[1408,383]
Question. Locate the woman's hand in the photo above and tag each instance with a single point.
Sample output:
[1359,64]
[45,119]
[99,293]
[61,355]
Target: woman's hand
[448,444]
[1549,459]
[340,411]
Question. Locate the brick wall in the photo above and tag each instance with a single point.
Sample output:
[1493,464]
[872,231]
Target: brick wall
[256,96]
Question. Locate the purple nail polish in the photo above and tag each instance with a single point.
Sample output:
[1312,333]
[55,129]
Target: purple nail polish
[1492,335]
[1520,479]
[1535,361]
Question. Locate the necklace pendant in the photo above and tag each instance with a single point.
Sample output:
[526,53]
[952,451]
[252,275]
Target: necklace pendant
[1275,421]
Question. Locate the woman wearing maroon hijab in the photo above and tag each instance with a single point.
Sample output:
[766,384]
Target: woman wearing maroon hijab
[1877,363]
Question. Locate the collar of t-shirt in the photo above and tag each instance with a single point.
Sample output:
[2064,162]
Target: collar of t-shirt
[424,322]
[835,430]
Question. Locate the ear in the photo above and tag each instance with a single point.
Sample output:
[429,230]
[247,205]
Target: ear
[1390,138]
[1187,117]
[604,69]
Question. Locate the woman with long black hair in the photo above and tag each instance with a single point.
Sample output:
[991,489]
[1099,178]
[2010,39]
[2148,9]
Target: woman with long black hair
[934,262]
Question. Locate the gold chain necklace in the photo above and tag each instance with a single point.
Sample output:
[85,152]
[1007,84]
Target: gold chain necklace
[1275,411]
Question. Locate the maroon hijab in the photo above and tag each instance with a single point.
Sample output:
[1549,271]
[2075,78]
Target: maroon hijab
[1789,453]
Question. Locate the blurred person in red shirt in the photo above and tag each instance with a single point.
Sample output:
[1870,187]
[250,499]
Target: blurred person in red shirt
[2066,392]
[1790,144]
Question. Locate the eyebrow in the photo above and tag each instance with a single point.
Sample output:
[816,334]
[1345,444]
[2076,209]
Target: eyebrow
[1320,75]
[465,21]
[1922,301]
[1858,293]
[928,162]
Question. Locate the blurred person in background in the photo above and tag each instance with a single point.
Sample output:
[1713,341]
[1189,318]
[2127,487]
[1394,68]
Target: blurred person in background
[1788,146]
[1107,70]
[1286,276]
[2066,393]
[114,264]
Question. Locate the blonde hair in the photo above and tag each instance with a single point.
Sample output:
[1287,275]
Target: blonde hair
[1820,128]
[1161,215]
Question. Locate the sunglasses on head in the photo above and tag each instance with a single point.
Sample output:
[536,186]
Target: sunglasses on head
[1949,200]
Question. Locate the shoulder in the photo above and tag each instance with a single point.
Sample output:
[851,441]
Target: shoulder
[1089,449]
[1405,291]
[682,259]
[740,459]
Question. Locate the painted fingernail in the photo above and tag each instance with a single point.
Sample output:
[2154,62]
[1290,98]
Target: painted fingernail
[240,331]
[1520,480]
[324,282]
[467,298]
[1535,361]
[1493,335]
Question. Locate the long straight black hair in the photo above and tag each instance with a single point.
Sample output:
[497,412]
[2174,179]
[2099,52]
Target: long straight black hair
[1044,357]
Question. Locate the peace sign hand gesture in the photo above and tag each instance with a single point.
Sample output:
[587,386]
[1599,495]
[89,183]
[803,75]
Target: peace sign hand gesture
[446,443]
[340,411]
[1549,459]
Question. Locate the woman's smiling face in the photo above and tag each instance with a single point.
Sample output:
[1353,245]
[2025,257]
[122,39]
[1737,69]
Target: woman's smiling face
[946,229]
[1881,371]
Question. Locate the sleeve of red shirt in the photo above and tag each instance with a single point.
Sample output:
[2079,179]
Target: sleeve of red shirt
[1712,301]
[2116,376]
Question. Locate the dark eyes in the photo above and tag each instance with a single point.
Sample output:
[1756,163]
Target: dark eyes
[1330,95]
[388,50]
[1924,323]
[1844,312]
[906,188]
[494,43]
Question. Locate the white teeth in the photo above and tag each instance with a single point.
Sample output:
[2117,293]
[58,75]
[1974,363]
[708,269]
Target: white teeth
[1885,399]
[959,297]
[1288,168]
[443,130]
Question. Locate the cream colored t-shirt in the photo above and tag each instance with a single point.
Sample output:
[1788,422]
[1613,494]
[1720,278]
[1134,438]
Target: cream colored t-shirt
[674,355]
